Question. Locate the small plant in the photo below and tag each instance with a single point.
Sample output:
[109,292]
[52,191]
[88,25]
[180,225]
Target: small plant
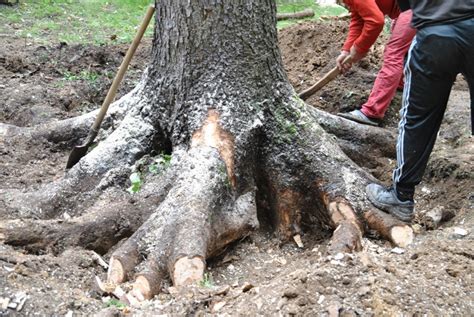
[88,76]
[115,303]
[206,281]
[136,181]
[83,75]
[291,128]
[67,75]
[160,164]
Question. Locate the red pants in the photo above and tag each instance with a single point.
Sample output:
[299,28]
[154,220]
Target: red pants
[391,73]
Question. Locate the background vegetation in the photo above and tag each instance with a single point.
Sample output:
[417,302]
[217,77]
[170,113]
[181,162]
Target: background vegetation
[101,21]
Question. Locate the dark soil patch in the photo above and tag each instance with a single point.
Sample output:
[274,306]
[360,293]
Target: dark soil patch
[257,275]
[40,83]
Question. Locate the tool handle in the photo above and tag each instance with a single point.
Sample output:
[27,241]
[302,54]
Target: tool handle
[305,94]
[123,68]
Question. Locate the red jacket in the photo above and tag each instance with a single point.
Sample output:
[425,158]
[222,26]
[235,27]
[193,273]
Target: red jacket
[367,21]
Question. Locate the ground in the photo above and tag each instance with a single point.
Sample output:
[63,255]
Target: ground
[257,275]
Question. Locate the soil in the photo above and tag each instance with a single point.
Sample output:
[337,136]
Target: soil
[258,275]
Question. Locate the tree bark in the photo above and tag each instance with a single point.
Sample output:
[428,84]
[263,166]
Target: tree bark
[244,149]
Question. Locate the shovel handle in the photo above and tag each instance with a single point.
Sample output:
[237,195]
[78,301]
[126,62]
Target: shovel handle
[305,94]
[123,68]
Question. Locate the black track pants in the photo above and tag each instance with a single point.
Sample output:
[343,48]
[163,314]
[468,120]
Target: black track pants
[438,53]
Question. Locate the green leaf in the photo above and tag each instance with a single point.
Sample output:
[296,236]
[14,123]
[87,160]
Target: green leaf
[135,178]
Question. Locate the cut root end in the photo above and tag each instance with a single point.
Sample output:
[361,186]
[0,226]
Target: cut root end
[394,230]
[142,288]
[402,236]
[116,273]
[188,271]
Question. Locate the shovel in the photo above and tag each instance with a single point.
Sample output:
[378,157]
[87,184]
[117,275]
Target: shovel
[81,150]
[305,94]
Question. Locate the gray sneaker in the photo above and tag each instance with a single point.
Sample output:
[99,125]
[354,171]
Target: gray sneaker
[386,199]
[359,116]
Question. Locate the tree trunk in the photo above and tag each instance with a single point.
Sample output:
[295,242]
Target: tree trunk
[243,148]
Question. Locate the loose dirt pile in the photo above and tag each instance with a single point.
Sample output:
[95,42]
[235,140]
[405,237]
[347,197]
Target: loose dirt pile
[310,50]
[257,275]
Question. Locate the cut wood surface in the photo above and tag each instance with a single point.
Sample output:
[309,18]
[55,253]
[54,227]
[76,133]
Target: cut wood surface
[433,218]
[394,230]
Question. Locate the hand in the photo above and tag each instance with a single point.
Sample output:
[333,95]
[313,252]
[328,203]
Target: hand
[343,67]
[355,55]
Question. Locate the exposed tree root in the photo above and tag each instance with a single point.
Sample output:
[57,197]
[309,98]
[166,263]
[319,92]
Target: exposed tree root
[71,131]
[100,229]
[348,231]
[201,214]
[358,141]
[132,139]
[433,218]
[109,219]
[399,233]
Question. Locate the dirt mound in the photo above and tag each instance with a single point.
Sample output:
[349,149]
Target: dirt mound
[309,51]
[39,83]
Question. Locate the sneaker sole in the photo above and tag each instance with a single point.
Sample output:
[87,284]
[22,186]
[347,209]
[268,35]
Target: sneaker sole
[357,119]
[389,209]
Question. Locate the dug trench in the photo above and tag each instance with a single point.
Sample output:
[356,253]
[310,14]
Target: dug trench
[258,275]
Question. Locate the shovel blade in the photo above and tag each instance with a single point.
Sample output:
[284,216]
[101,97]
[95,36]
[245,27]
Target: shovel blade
[76,154]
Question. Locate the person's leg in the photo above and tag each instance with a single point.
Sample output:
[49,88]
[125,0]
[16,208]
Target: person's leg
[432,65]
[390,74]
[467,39]
[470,82]
[431,69]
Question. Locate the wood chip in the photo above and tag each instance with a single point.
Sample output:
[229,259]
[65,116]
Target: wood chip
[217,306]
[397,250]
[12,305]
[9,269]
[246,287]
[119,292]
[132,300]
[230,258]
[460,232]
[22,303]
[4,301]
[105,287]
[99,260]
[298,241]
[333,309]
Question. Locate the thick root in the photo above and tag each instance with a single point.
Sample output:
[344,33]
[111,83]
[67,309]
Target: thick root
[357,140]
[396,231]
[347,236]
[98,230]
[133,138]
[72,130]
[123,262]
[186,271]
[197,219]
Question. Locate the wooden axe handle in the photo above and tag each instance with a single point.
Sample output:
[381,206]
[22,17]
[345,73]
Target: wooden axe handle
[123,68]
[305,94]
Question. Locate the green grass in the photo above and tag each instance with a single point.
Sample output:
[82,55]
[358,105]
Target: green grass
[74,21]
[291,6]
[102,21]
